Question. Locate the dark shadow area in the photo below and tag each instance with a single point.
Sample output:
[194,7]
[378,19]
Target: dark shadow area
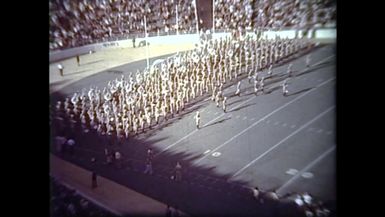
[88,63]
[242,107]
[236,101]
[301,91]
[187,194]
[60,82]
[272,89]
[114,71]
[330,61]
[313,68]
[201,191]
[231,95]
[77,72]
[217,122]
[251,93]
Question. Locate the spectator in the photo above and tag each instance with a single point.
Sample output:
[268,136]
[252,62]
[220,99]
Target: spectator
[169,211]
[94,180]
[66,202]
[256,193]
[108,156]
[71,209]
[118,159]
[60,143]
[150,154]
[178,172]
[61,68]
[71,146]
[148,168]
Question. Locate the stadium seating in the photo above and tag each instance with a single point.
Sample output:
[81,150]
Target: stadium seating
[77,23]
[273,14]
[66,202]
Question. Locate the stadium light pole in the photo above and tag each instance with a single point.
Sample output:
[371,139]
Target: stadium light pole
[196,16]
[145,39]
[177,21]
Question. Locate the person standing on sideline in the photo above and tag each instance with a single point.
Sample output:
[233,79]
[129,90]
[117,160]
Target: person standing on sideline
[197,119]
[178,172]
[71,144]
[262,85]
[308,59]
[150,154]
[238,91]
[94,180]
[270,72]
[61,68]
[256,86]
[78,59]
[218,98]
[148,168]
[118,159]
[284,88]
[224,104]
[169,211]
[289,69]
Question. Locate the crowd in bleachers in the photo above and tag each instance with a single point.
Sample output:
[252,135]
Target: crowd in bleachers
[81,22]
[273,14]
[66,202]
[77,23]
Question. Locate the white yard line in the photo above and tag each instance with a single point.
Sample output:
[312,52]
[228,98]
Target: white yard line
[194,131]
[311,164]
[283,140]
[266,116]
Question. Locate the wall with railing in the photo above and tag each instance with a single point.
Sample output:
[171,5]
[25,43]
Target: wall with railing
[324,33]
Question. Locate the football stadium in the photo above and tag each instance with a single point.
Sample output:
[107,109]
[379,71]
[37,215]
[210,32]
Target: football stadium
[192,108]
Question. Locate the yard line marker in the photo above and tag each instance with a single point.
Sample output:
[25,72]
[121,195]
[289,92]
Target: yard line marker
[268,115]
[305,169]
[283,140]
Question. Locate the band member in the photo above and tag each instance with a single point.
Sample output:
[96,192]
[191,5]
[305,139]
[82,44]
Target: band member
[308,59]
[197,119]
[61,68]
[289,69]
[224,104]
[270,72]
[238,91]
[262,84]
[284,88]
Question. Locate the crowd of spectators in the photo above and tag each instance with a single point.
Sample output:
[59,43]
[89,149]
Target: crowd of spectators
[273,14]
[81,22]
[67,202]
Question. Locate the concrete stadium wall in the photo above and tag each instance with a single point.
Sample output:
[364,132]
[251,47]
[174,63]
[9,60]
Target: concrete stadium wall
[127,43]
[318,33]
[176,39]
